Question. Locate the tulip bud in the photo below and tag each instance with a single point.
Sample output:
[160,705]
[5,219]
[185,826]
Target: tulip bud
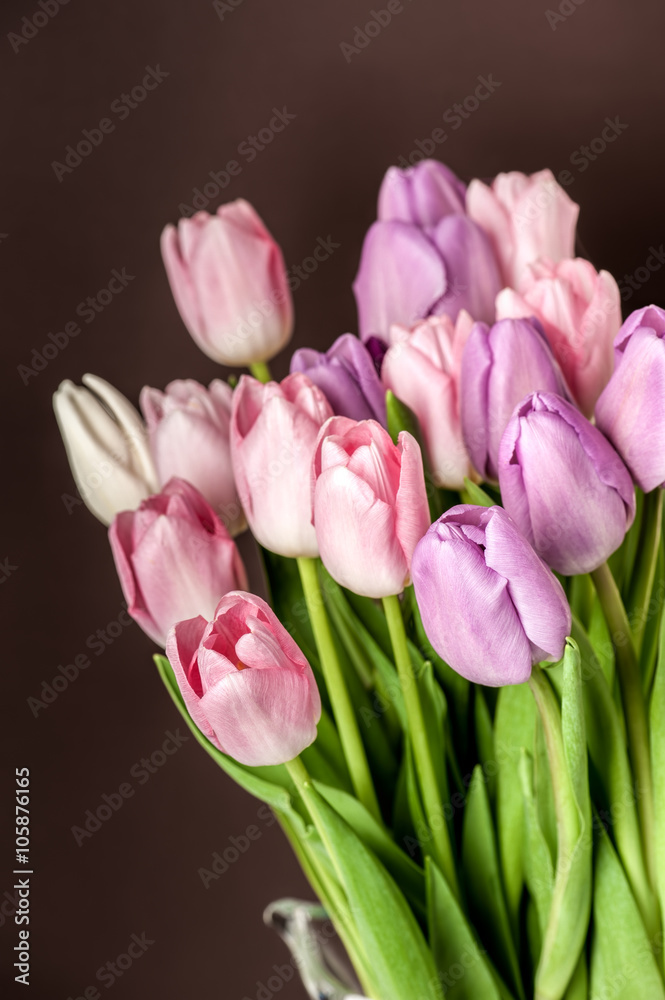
[188,428]
[347,376]
[501,364]
[370,505]
[631,409]
[228,280]
[490,606]
[580,310]
[564,484]
[274,428]
[422,368]
[423,194]
[245,682]
[407,273]
[526,218]
[175,559]
[107,446]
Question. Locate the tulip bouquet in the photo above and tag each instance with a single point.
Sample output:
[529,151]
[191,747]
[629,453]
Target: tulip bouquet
[453,697]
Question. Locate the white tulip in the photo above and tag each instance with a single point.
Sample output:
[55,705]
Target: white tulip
[107,446]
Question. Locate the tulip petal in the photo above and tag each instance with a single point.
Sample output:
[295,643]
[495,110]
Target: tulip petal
[181,646]
[411,506]
[401,276]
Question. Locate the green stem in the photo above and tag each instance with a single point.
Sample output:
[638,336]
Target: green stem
[640,595]
[260,371]
[633,704]
[434,813]
[345,716]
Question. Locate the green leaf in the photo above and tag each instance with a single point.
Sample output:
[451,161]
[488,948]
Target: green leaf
[477,495]
[514,728]
[538,866]
[435,715]
[578,988]
[401,964]
[657,720]
[482,879]
[623,966]
[606,742]
[408,875]
[568,919]
[461,962]
[485,741]
[401,418]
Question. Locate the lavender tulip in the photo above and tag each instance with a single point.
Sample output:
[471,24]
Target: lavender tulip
[631,409]
[347,376]
[423,194]
[407,273]
[500,365]
[564,484]
[490,606]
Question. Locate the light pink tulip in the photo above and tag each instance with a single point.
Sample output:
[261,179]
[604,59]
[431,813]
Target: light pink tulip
[580,310]
[174,557]
[229,282]
[526,217]
[245,682]
[188,429]
[370,505]
[274,428]
[422,368]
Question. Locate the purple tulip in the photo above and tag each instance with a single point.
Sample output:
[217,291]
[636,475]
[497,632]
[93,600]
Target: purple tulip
[407,273]
[347,376]
[631,408]
[423,194]
[564,484]
[490,606]
[500,365]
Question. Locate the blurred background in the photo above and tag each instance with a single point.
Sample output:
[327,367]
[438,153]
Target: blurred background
[354,104]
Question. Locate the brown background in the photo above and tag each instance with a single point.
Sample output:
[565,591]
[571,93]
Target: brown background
[318,178]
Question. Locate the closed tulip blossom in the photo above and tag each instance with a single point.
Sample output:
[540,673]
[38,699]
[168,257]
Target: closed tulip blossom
[229,283]
[631,409]
[526,217]
[422,368]
[424,256]
[274,429]
[580,310]
[370,505]
[500,366]
[188,428]
[423,194]
[347,376]
[564,485]
[245,682]
[175,559]
[490,606]
[107,446]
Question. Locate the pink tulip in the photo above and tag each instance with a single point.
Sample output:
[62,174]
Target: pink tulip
[245,682]
[422,368]
[526,217]
[174,557]
[229,282]
[274,428]
[370,505]
[580,310]
[188,428]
